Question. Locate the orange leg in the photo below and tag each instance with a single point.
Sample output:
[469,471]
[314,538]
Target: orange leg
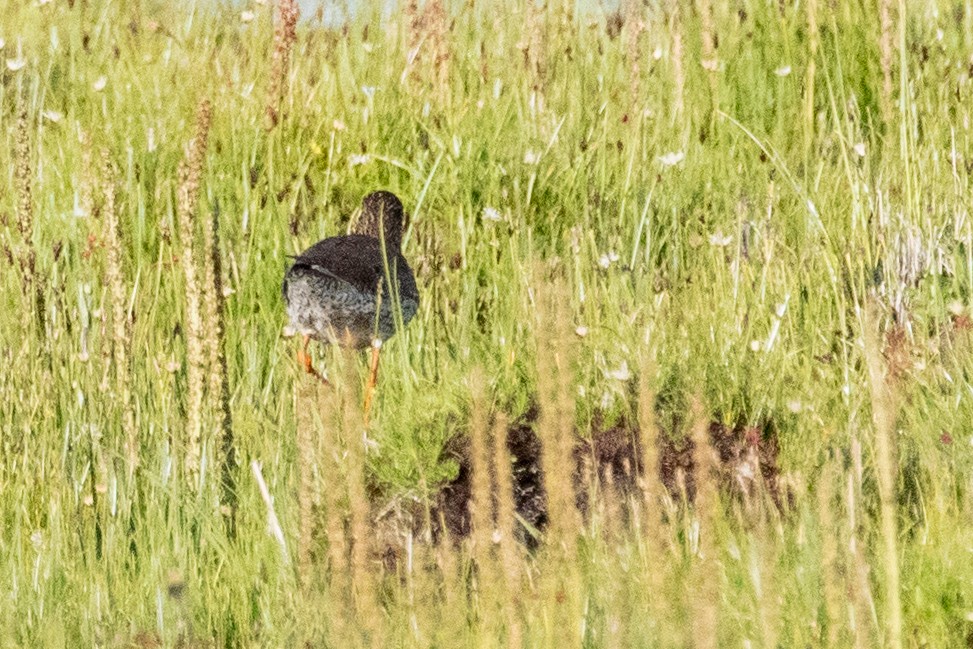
[372,378]
[304,360]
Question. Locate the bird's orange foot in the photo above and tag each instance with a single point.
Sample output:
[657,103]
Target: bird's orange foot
[372,379]
[304,360]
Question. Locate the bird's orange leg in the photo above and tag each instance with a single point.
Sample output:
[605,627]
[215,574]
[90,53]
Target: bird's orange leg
[372,378]
[304,360]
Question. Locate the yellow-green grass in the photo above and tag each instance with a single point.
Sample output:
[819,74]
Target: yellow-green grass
[766,242]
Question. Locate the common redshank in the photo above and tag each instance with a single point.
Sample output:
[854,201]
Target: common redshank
[346,290]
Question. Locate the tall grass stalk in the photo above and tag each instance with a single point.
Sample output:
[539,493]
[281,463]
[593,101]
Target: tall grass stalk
[533,43]
[26,254]
[648,442]
[218,385]
[555,374]
[120,338]
[510,559]
[705,594]
[634,27]
[676,55]
[308,465]
[886,27]
[830,569]
[437,22]
[886,464]
[810,74]
[863,603]
[285,35]
[354,435]
[710,59]
[334,498]
[190,180]
[481,505]
[512,150]
[556,424]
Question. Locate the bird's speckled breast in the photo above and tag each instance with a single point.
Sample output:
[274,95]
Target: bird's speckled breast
[332,311]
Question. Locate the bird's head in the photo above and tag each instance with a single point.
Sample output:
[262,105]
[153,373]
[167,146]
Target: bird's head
[382,215]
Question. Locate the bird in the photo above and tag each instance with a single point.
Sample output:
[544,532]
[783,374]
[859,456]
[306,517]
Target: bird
[348,290]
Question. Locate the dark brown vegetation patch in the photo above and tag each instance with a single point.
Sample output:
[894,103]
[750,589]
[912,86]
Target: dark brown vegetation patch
[611,457]
[452,508]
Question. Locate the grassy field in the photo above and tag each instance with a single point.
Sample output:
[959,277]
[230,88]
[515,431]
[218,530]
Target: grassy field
[704,268]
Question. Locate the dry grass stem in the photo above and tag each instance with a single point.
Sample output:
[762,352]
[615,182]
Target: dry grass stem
[710,60]
[509,554]
[305,400]
[120,335]
[25,253]
[211,308]
[555,355]
[555,428]
[705,594]
[437,22]
[885,415]
[533,43]
[86,198]
[830,570]
[678,70]
[858,580]
[190,180]
[218,387]
[430,49]
[22,178]
[649,445]
[481,506]
[413,22]
[335,505]
[764,574]
[654,534]
[414,33]
[809,78]
[354,435]
[886,27]
[285,35]
[593,249]
[634,26]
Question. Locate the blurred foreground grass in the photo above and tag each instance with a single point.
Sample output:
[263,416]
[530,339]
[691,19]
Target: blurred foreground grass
[673,218]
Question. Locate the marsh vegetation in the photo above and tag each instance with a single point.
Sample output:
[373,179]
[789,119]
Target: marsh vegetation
[691,366]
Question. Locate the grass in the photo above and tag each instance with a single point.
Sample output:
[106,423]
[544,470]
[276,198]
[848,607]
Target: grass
[768,229]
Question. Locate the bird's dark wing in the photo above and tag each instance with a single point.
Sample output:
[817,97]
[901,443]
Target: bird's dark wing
[355,259]
[407,281]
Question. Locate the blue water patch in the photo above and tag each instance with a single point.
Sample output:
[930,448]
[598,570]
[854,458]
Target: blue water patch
[329,12]
[334,13]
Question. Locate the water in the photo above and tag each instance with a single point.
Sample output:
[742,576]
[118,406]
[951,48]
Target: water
[334,12]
